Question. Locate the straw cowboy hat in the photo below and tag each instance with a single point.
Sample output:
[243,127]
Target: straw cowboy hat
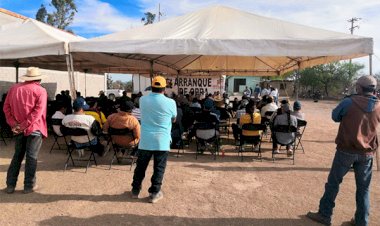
[219,102]
[32,74]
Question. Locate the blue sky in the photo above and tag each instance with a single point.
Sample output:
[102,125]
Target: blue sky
[121,77]
[99,17]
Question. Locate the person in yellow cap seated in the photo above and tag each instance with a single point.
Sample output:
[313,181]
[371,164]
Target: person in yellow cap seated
[96,113]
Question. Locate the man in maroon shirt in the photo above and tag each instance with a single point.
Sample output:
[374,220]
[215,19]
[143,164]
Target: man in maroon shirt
[25,112]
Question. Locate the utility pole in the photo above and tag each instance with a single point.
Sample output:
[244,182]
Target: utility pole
[352,21]
[352,28]
[159,12]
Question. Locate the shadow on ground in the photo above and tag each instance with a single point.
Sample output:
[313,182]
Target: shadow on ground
[36,197]
[259,169]
[131,219]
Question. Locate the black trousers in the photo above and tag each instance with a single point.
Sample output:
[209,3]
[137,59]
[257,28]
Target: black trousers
[159,165]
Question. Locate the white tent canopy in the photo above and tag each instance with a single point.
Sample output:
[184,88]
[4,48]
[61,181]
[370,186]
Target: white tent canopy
[31,38]
[27,42]
[7,17]
[31,42]
[225,40]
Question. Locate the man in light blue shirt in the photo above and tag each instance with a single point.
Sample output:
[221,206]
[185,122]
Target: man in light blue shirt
[157,115]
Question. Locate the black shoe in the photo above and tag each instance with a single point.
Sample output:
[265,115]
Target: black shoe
[135,193]
[28,190]
[352,221]
[317,217]
[155,197]
[10,189]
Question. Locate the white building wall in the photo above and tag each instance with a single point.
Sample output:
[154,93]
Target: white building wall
[88,85]
[140,83]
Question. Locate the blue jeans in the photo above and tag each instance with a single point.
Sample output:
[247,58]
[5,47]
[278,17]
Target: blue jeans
[159,165]
[342,163]
[85,145]
[29,146]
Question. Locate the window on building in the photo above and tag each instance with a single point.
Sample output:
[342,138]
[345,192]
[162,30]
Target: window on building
[238,82]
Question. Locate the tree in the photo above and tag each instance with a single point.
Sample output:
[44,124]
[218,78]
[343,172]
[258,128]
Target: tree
[330,76]
[41,14]
[308,79]
[128,86]
[148,18]
[109,81]
[63,15]
[118,84]
[347,72]
[327,76]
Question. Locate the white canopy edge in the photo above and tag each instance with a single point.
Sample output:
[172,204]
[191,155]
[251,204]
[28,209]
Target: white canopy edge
[221,39]
[31,38]
[290,48]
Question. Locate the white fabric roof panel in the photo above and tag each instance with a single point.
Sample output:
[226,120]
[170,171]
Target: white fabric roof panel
[32,38]
[225,39]
[7,17]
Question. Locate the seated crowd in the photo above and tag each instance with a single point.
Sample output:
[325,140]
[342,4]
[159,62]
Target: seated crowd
[193,112]
[265,111]
[80,120]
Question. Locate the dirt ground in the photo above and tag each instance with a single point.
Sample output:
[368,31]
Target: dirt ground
[225,191]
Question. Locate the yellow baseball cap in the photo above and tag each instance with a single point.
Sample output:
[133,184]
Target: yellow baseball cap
[159,82]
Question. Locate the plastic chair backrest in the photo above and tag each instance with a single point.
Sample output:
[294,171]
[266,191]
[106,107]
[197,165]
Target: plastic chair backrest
[120,132]
[269,113]
[301,123]
[285,129]
[253,127]
[73,131]
[204,125]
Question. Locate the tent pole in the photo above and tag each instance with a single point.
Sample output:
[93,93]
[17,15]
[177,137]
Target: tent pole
[73,89]
[85,82]
[17,65]
[370,64]
[69,70]
[105,82]
[151,72]
[297,79]
[220,85]
[139,83]
[177,82]
[133,75]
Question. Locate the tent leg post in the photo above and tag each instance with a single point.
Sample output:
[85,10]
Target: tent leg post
[17,65]
[85,82]
[177,82]
[220,87]
[151,72]
[297,80]
[133,87]
[73,89]
[139,83]
[69,71]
